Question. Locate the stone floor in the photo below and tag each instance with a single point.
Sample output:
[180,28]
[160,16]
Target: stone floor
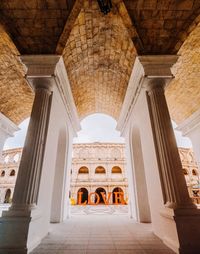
[99,209]
[101,234]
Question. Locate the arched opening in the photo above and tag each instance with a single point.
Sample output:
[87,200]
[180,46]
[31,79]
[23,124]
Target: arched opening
[99,191]
[12,173]
[116,170]
[7,196]
[116,194]
[185,172]
[83,170]
[3,173]
[194,172]
[83,196]
[100,170]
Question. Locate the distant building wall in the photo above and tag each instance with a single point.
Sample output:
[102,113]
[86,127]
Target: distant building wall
[91,157]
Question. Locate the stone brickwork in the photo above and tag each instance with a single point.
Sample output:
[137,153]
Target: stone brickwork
[15,95]
[183,93]
[35,25]
[99,57]
[162,25]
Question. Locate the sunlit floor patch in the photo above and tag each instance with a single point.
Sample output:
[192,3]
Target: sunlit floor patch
[95,234]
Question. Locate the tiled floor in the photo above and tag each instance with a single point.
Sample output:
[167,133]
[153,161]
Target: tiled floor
[101,234]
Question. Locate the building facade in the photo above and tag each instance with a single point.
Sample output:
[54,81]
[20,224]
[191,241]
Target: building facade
[96,167]
[99,167]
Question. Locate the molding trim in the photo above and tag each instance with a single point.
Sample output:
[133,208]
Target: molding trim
[145,68]
[190,124]
[52,68]
[132,92]
[7,127]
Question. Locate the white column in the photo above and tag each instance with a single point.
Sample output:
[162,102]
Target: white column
[28,179]
[27,221]
[190,128]
[173,213]
[7,129]
[175,193]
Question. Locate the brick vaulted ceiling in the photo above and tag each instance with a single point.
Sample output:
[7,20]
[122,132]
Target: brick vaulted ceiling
[99,57]
[98,50]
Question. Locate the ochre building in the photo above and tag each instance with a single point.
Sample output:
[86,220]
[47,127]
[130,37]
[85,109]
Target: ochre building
[96,167]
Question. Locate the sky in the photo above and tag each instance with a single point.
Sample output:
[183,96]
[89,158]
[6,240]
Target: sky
[95,128]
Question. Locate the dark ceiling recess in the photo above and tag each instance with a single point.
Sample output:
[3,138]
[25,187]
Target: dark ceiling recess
[105,6]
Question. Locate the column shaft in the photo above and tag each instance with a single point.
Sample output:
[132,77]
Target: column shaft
[174,187]
[28,180]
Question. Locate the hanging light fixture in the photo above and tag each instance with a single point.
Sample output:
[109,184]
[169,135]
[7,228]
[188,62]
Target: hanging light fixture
[105,6]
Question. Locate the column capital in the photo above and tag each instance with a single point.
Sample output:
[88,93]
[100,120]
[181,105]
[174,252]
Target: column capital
[48,72]
[40,70]
[157,66]
[40,65]
[147,70]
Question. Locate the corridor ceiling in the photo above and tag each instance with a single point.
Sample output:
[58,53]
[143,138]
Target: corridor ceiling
[98,50]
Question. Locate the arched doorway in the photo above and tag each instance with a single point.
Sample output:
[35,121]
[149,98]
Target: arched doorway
[7,196]
[98,191]
[84,196]
[119,201]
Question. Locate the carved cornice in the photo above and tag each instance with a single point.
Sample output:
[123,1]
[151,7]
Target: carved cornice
[51,69]
[190,124]
[145,68]
[7,127]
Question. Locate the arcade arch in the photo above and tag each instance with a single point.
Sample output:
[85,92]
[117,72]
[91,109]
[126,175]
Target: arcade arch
[7,196]
[99,191]
[83,193]
[118,195]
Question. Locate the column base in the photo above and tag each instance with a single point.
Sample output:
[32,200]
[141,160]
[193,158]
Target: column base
[188,230]
[16,231]
[13,234]
[12,251]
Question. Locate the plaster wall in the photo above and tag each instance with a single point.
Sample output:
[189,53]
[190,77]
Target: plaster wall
[162,218]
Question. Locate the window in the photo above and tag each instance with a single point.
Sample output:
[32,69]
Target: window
[83,170]
[116,170]
[194,172]
[100,170]
[12,173]
[3,173]
[185,172]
